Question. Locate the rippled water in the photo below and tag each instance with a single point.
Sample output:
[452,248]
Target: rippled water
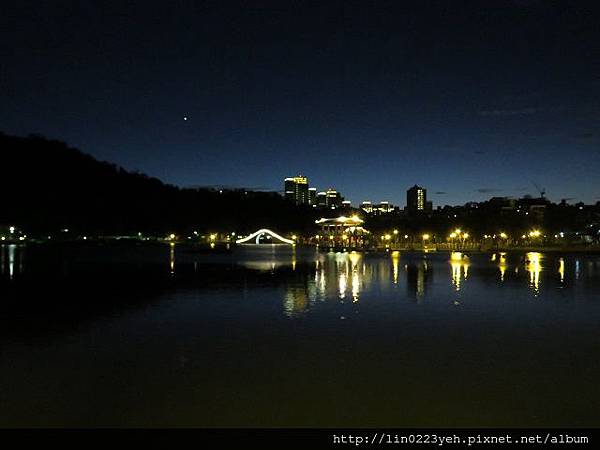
[274,336]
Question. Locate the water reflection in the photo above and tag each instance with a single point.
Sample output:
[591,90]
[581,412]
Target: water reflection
[294,258]
[262,325]
[561,269]
[502,265]
[355,284]
[267,258]
[172,257]
[417,277]
[312,277]
[11,260]
[348,271]
[533,266]
[346,276]
[341,262]
[296,301]
[342,283]
[395,264]
[460,269]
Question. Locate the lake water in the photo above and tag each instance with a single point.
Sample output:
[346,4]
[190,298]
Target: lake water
[274,336]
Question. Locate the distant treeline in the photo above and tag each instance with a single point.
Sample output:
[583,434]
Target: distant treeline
[47,185]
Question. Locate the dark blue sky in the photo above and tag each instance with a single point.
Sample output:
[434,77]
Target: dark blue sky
[469,99]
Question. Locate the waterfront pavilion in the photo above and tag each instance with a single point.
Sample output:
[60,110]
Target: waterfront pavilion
[341,231]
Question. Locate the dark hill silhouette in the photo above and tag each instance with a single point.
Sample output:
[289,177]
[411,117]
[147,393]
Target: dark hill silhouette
[47,185]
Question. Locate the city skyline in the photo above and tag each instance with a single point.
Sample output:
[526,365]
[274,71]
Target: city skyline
[299,190]
[471,102]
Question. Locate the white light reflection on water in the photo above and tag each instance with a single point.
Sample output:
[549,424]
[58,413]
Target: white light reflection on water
[172,257]
[11,260]
[355,283]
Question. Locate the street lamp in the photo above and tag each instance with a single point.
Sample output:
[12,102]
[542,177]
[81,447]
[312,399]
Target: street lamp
[535,233]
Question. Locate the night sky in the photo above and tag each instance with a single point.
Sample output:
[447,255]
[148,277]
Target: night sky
[470,100]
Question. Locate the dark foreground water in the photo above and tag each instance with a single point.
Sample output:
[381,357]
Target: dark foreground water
[271,336]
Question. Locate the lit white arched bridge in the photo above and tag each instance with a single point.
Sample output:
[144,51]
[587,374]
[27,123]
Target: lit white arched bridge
[257,234]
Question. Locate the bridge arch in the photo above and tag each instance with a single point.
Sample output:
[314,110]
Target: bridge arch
[263,231]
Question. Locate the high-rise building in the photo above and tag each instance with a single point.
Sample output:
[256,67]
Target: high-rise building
[322,199]
[312,197]
[334,198]
[416,199]
[296,190]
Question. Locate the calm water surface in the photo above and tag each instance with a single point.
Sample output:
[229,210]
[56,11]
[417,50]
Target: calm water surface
[272,336]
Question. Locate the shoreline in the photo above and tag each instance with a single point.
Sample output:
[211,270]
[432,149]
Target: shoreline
[220,246]
[475,250]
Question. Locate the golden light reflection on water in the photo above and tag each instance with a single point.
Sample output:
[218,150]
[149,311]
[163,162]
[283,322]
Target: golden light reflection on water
[502,265]
[341,264]
[460,269]
[421,281]
[395,264]
[349,275]
[561,269]
[348,271]
[533,266]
